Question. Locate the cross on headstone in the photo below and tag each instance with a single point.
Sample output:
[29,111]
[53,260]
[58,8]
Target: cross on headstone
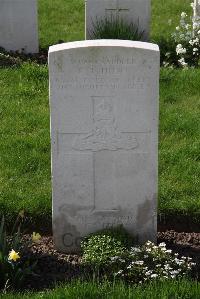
[116,10]
[104,136]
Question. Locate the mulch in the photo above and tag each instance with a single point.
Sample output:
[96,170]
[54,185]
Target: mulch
[54,267]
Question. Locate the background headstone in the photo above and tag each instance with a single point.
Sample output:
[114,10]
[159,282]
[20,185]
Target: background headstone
[104,131]
[196,8]
[18,25]
[131,11]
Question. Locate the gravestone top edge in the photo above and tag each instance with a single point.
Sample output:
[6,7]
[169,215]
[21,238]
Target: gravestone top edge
[104,43]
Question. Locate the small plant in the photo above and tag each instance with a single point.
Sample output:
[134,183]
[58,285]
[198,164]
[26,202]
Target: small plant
[108,250]
[115,28]
[186,39]
[14,265]
[150,262]
[98,248]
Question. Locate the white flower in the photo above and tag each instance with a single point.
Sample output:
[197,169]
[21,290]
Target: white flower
[191,42]
[149,243]
[183,15]
[148,273]
[195,50]
[180,49]
[174,272]
[158,265]
[196,41]
[192,264]
[119,272]
[140,263]
[182,62]
[162,244]
[179,262]
[154,275]
[168,251]
[177,28]
[187,26]
[135,249]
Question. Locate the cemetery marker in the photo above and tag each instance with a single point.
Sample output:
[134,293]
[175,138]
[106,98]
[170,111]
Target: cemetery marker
[104,131]
[18,25]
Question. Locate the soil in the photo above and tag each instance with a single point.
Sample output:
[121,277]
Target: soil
[54,267]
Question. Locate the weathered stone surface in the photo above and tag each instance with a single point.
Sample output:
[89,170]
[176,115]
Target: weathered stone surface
[104,135]
[18,25]
[131,11]
[196,8]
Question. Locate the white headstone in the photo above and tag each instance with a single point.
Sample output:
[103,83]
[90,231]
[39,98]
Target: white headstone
[104,137]
[196,8]
[131,11]
[18,25]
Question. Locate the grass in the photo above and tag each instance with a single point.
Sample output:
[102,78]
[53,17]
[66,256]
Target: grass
[90,290]
[64,19]
[60,20]
[24,126]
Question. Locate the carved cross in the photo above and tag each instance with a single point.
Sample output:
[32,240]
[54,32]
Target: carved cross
[117,10]
[104,136]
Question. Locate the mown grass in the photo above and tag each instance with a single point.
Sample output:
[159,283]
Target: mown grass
[60,20]
[24,121]
[89,290]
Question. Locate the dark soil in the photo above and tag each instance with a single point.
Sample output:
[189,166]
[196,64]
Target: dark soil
[14,59]
[54,267]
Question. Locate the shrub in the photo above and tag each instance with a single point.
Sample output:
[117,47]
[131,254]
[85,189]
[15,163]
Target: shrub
[150,262]
[186,39]
[108,250]
[115,28]
[98,248]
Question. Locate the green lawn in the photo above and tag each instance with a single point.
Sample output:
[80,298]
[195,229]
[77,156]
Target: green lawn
[24,126]
[90,290]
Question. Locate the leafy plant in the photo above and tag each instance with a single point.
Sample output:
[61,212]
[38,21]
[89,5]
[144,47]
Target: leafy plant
[114,28]
[98,248]
[14,265]
[109,250]
[186,39]
[150,262]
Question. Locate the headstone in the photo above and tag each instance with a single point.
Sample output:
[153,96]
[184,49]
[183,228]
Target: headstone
[131,11]
[18,25]
[196,8]
[104,137]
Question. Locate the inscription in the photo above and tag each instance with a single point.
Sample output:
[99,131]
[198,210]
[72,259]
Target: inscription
[105,60]
[105,134]
[98,82]
[104,220]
